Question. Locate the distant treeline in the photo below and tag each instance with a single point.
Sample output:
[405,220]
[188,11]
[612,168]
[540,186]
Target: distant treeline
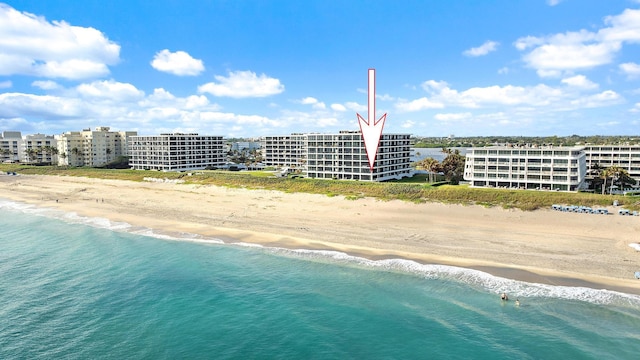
[481,141]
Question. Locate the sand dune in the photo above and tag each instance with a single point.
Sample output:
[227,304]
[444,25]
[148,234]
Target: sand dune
[541,246]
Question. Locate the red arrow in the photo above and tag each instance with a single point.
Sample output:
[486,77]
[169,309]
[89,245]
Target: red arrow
[371,131]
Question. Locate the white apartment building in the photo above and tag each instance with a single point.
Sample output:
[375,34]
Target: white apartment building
[624,156]
[39,148]
[343,156]
[244,146]
[176,152]
[340,155]
[11,146]
[92,147]
[30,149]
[284,151]
[540,168]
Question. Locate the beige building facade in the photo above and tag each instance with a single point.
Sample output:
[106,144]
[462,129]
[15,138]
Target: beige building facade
[92,147]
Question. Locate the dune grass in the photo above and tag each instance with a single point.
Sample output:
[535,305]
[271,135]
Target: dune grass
[415,191]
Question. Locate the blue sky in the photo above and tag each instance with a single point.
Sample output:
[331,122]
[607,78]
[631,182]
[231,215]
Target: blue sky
[251,68]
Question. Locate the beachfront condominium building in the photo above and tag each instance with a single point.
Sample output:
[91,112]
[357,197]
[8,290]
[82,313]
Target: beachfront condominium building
[343,156]
[284,151]
[340,155]
[625,156]
[92,147]
[39,149]
[30,149]
[540,168]
[176,152]
[11,146]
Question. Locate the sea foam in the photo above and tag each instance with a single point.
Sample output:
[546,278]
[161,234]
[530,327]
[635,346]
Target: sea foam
[474,278]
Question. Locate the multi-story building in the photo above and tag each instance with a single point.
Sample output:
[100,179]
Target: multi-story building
[343,156]
[624,156]
[92,147]
[244,146]
[284,151]
[548,168]
[340,155]
[176,152]
[40,149]
[11,147]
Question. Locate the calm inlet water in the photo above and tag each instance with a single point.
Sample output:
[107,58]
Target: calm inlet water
[72,287]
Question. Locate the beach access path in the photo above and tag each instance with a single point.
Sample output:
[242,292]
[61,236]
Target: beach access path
[541,246]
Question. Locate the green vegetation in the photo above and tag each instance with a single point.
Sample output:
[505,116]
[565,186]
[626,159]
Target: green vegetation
[414,190]
[481,141]
[452,166]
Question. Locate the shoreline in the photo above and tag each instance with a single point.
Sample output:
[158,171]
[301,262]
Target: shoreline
[544,247]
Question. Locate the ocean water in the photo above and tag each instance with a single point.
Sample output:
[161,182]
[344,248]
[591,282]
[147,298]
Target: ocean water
[73,287]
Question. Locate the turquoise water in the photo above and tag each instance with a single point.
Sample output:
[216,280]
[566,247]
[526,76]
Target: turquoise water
[72,287]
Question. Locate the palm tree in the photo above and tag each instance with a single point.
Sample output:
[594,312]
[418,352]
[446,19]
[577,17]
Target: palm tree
[432,166]
[453,166]
[50,151]
[6,152]
[446,151]
[32,154]
[75,151]
[615,173]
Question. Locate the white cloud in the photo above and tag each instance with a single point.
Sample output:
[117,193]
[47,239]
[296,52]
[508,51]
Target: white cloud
[453,116]
[46,84]
[635,108]
[382,97]
[111,103]
[309,100]
[503,70]
[326,121]
[309,121]
[576,50]
[178,63]
[6,84]
[313,102]
[163,101]
[418,104]
[604,98]
[483,49]
[43,106]
[543,73]
[385,97]
[241,84]
[553,2]
[631,69]
[111,90]
[580,81]
[408,124]
[575,95]
[608,123]
[31,45]
[338,107]
[622,28]
[571,56]
[354,106]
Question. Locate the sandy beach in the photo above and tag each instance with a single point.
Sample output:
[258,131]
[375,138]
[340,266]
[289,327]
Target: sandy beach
[542,246]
